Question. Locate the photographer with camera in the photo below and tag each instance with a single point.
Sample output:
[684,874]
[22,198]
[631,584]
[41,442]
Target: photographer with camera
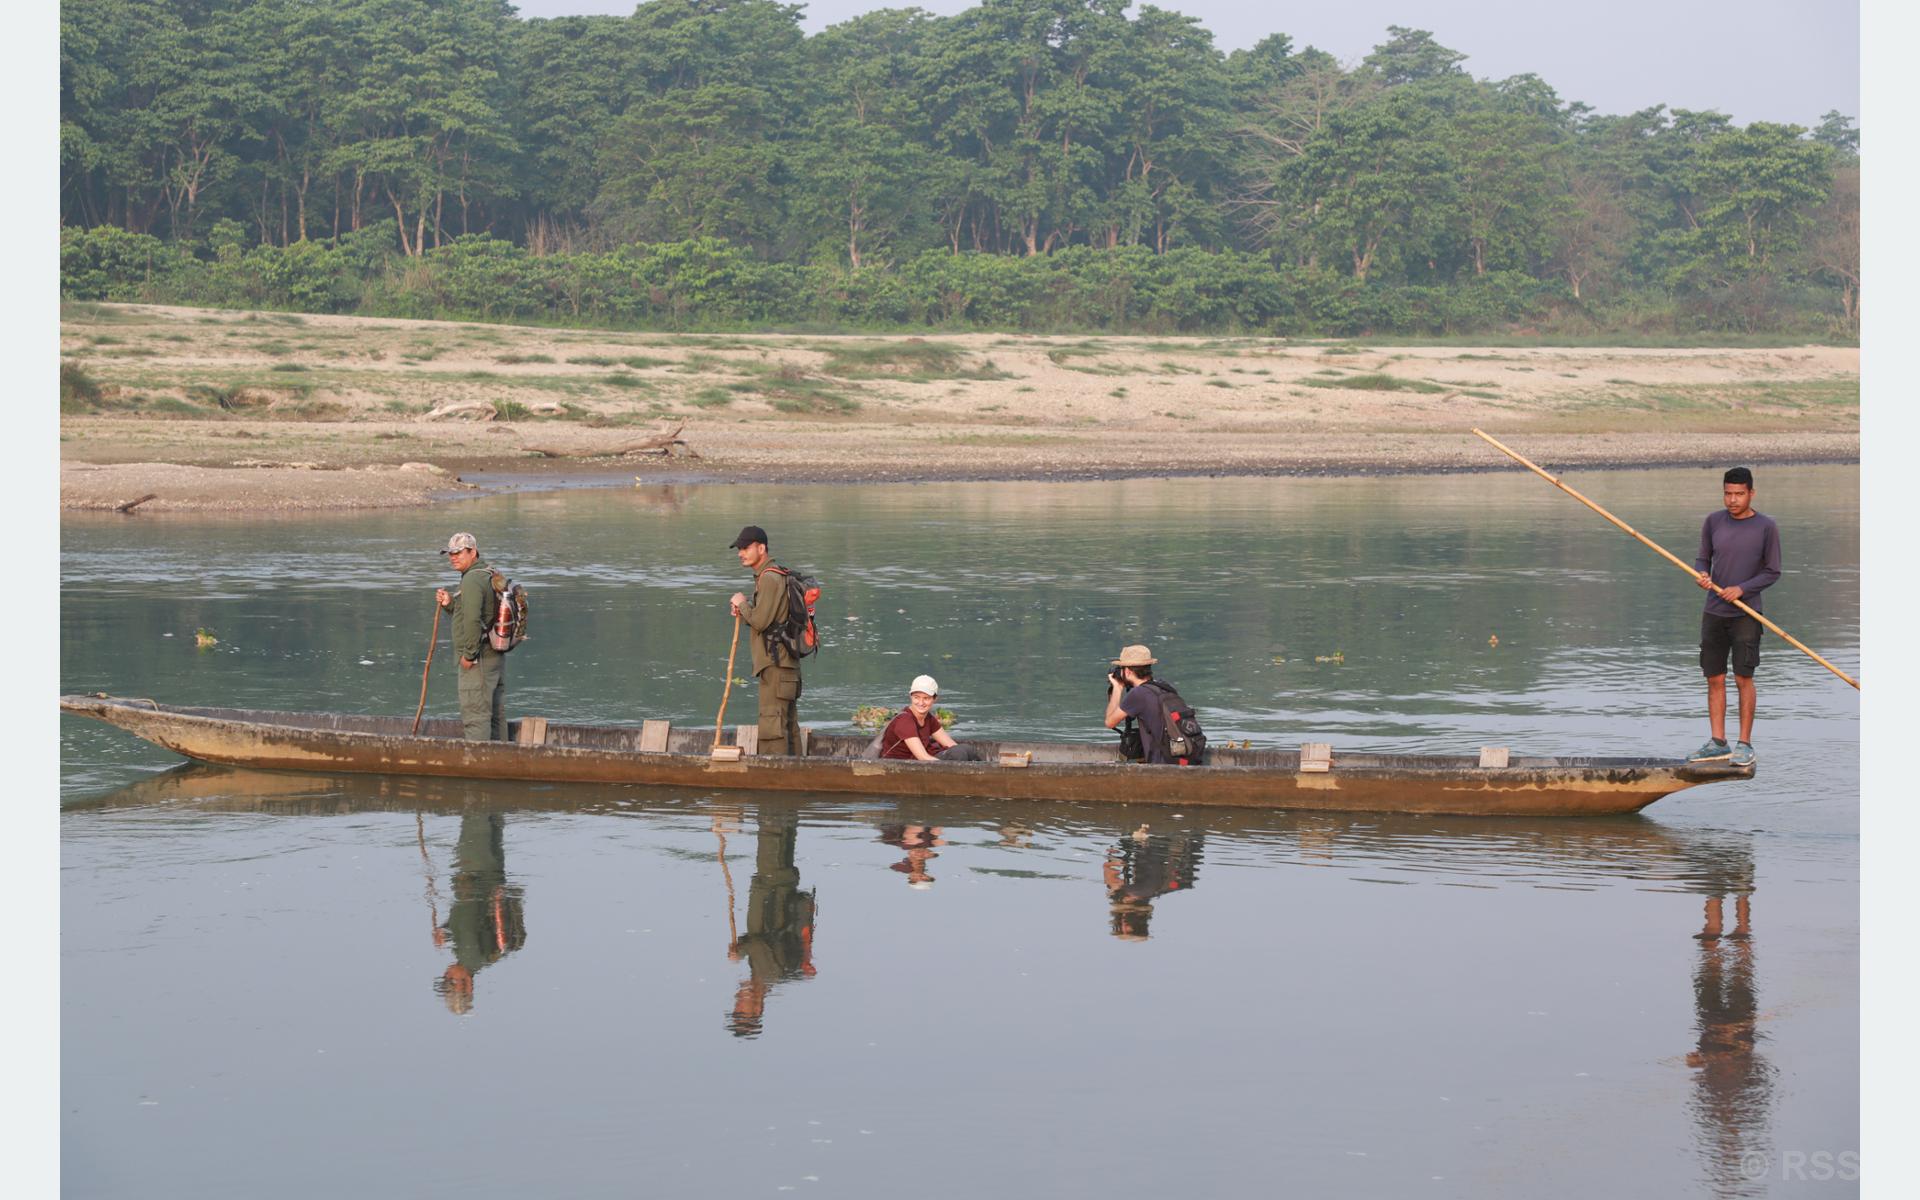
[1168,732]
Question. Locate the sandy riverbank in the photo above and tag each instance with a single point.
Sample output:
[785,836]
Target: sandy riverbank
[215,411]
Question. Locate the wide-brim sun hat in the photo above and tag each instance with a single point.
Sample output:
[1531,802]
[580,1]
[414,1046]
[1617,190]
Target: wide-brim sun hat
[1135,656]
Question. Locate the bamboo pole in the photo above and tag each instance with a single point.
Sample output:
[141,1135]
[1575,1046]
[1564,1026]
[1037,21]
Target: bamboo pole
[433,639]
[1662,551]
[731,651]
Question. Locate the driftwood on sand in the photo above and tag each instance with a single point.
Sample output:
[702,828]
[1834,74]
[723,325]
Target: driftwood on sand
[664,444]
[130,505]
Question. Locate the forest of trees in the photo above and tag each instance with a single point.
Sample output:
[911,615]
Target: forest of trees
[1023,164]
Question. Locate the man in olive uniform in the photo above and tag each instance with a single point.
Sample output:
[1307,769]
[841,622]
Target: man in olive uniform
[773,663]
[483,670]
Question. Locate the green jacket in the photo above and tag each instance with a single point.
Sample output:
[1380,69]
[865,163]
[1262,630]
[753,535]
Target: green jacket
[474,607]
[766,608]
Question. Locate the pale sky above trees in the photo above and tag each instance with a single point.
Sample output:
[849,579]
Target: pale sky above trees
[1755,60]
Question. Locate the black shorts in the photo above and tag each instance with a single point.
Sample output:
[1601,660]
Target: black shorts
[1738,636]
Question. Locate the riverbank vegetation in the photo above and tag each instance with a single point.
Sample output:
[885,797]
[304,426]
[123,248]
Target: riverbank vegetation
[1034,165]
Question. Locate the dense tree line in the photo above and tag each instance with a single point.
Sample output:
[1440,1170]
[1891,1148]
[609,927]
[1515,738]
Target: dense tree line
[1024,162]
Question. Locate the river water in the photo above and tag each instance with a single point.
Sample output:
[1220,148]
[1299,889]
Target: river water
[309,985]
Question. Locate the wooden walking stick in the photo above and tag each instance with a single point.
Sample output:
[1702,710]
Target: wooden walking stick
[433,639]
[722,714]
[1661,550]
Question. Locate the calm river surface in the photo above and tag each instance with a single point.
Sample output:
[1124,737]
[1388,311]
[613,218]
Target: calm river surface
[308,986]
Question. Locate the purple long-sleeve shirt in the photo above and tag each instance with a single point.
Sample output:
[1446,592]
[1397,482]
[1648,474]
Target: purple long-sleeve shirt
[1742,553]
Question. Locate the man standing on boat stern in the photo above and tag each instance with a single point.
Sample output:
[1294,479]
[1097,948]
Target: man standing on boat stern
[1739,556]
[773,662]
[483,670]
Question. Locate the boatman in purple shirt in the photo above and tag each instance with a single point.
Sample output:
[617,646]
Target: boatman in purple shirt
[1739,556]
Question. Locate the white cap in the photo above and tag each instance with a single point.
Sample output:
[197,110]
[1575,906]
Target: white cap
[925,683]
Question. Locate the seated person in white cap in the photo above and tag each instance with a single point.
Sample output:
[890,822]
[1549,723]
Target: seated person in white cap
[917,734]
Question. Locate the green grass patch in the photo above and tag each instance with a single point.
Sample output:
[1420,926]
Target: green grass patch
[1377,383]
[1068,358]
[712,397]
[1219,383]
[516,359]
[79,391]
[92,312]
[621,379]
[913,360]
[510,410]
[1789,395]
[638,362]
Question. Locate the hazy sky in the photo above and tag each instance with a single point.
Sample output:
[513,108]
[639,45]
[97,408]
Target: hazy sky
[1757,60]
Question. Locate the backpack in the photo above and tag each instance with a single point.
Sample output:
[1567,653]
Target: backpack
[797,633]
[509,625]
[1182,739]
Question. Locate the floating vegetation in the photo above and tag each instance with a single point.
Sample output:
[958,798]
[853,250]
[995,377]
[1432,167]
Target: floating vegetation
[1336,657]
[203,639]
[876,716]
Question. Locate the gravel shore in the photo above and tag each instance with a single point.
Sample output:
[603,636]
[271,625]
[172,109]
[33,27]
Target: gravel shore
[248,413]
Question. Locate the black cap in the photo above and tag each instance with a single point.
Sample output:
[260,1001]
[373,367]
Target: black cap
[748,536]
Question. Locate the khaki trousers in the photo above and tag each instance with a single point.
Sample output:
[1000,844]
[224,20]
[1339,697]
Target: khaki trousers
[779,710]
[483,697]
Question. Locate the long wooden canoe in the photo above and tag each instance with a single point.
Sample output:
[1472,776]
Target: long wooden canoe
[1356,782]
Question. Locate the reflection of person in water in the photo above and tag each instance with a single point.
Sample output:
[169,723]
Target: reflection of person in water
[487,920]
[918,841]
[1142,867]
[778,943]
[1733,1085]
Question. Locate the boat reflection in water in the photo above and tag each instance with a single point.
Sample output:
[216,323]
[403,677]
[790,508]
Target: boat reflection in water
[488,918]
[777,945]
[1732,1085]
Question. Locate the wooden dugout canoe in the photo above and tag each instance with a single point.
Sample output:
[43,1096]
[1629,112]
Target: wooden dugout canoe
[1060,771]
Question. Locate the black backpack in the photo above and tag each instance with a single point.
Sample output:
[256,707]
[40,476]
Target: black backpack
[1182,739]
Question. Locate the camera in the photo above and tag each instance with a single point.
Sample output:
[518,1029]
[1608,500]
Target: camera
[1119,676]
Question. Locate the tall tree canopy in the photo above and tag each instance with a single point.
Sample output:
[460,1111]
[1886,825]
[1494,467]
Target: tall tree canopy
[1015,128]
